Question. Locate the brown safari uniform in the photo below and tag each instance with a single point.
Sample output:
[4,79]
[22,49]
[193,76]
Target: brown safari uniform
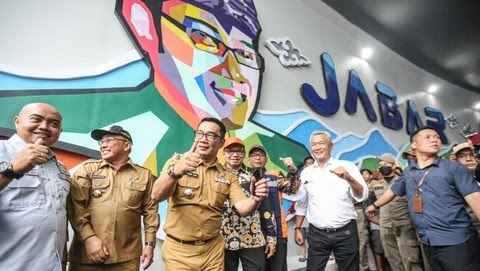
[398,236]
[194,217]
[109,204]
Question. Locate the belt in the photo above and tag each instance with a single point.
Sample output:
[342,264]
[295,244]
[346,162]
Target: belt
[192,243]
[334,229]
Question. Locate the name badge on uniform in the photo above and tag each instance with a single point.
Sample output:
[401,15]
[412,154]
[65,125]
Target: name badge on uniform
[98,176]
[192,174]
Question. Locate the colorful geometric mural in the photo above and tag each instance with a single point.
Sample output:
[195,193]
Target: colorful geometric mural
[193,59]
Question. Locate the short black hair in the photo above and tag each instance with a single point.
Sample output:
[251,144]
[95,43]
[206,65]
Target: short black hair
[412,136]
[223,129]
[365,169]
[306,158]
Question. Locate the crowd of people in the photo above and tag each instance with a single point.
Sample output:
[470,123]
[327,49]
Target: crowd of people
[222,214]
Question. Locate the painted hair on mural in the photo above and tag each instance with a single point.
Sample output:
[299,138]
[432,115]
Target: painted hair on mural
[243,11]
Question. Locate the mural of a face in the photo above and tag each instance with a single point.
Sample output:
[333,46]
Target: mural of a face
[204,55]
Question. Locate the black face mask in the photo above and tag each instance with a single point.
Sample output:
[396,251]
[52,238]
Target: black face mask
[385,170]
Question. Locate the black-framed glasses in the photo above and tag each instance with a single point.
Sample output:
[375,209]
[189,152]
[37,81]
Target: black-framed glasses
[231,152]
[209,135]
[206,42]
[109,140]
[257,155]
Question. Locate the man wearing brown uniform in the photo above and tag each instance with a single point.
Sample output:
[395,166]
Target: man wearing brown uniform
[398,236]
[196,186]
[107,199]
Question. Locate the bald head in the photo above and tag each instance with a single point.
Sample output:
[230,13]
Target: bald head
[39,120]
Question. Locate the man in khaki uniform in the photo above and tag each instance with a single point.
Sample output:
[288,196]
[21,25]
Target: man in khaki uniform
[398,236]
[363,235]
[196,186]
[107,199]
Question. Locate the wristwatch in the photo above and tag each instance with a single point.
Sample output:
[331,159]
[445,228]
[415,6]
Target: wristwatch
[152,244]
[297,228]
[171,172]
[7,171]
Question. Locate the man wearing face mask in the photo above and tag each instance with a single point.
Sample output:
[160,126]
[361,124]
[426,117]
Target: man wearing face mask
[398,236]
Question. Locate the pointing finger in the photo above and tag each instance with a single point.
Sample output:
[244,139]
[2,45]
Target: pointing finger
[281,159]
[194,146]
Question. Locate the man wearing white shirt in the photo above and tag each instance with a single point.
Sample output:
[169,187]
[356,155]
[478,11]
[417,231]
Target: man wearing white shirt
[328,188]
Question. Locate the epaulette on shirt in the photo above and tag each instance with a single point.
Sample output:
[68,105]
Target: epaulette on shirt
[229,170]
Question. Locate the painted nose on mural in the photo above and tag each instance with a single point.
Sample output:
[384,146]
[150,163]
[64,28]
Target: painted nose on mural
[230,68]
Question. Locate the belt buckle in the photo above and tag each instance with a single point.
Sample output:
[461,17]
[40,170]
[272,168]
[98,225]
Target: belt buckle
[199,242]
[329,230]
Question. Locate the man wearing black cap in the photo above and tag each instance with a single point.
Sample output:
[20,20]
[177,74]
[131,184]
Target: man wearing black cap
[107,199]
[277,184]
[438,191]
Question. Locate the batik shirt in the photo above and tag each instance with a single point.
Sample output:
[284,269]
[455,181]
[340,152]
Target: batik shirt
[241,232]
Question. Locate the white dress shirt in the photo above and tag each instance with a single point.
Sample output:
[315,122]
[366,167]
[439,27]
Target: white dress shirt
[325,199]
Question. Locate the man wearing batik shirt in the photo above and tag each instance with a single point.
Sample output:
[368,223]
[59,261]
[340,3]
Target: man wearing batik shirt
[249,237]
[277,184]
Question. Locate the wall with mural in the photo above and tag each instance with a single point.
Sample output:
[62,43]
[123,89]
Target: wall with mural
[273,71]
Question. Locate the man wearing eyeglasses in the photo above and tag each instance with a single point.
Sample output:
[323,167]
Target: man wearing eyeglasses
[277,184]
[250,238]
[204,54]
[107,200]
[196,186]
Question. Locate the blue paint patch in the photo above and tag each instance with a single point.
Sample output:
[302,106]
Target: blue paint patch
[130,75]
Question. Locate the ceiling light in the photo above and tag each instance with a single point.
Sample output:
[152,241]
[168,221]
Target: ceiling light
[366,53]
[432,89]
[477,106]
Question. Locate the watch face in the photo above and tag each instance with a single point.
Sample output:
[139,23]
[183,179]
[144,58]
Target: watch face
[4,166]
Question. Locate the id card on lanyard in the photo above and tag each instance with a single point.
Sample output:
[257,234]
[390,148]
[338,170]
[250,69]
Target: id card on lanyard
[417,205]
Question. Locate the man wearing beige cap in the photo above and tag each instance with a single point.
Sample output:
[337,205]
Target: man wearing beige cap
[397,234]
[463,154]
[250,238]
[107,199]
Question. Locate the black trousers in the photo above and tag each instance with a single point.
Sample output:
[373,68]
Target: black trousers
[278,262]
[465,256]
[342,241]
[253,259]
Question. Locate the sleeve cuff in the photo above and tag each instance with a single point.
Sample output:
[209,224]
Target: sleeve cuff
[272,240]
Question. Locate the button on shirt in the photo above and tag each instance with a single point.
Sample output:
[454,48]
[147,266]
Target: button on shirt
[444,220]
[33,217]
[325,199]
[109,203]
[195,208]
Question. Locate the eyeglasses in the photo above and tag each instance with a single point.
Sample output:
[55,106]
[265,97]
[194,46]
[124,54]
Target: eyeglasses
[238,152]
[257,155]
[109,140]
[210,135]
[205,42]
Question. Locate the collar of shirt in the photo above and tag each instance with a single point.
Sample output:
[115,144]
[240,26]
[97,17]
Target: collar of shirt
[328,164]
[414,166]
[104,163]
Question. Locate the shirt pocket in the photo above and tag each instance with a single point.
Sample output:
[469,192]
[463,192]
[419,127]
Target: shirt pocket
[100,190]
[183,187]
[24,193]
[132,193]
[220,195]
